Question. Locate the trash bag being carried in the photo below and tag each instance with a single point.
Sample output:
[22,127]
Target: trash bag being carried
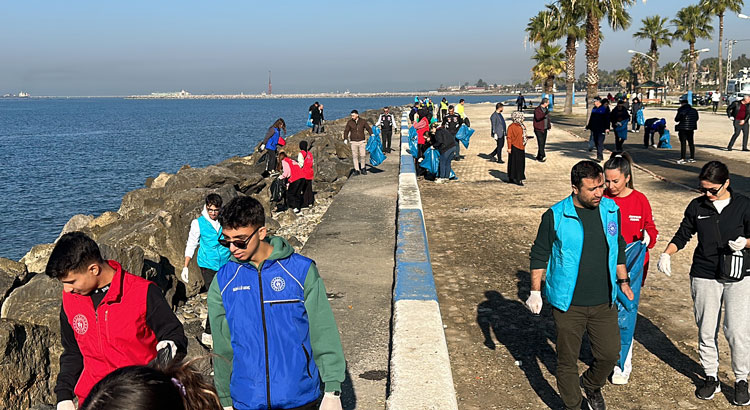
[374,140]
[278,190]
[431,161]
[627,310]
[664,140]
[376,157]
[639,118]
[463,135]
[413,149]
[309,120]
[621,129]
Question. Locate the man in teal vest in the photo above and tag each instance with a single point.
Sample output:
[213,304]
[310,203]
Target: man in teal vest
[205,232]
[580,248]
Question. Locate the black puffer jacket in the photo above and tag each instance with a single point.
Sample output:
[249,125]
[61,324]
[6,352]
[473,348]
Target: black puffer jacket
[686,118]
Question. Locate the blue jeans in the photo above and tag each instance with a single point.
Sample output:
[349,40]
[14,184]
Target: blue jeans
[444,167]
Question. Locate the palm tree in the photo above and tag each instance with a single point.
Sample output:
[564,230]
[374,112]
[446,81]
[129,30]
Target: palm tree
[671,72]
[718,8]
[690,26]
[570,25]
[623,77]
[638,66]
[617,18]
[653,29]
[550,61]
[541,29]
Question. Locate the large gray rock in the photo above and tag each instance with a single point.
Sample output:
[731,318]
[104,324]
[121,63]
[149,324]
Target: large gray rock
[76,223]
[36,259]
[37,302]
[29,365]
[12,274]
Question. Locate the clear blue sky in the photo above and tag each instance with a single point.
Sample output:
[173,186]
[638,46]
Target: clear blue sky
[89,47]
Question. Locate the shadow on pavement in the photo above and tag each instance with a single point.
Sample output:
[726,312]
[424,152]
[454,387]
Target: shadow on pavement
[655,341]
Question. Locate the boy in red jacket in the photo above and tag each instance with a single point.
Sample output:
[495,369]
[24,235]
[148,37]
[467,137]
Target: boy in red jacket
[109,318]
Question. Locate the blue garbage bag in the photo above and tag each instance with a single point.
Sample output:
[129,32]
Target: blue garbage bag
[621,129]
[376,156]
[627,310]
[639,118]
[413,149]
[374,140]
[309,120]
[664,140]
[463,134]
[431,160]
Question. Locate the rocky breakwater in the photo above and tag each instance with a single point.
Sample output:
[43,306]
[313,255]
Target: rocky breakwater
[147,235]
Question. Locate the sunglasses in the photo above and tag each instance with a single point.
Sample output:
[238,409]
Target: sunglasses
[238,244]
[712,191]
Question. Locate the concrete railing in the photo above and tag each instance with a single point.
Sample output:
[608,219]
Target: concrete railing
[421,376]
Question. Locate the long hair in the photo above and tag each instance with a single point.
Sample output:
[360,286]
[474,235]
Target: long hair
[279,164]
[280,124]
[179,386]
[623,162]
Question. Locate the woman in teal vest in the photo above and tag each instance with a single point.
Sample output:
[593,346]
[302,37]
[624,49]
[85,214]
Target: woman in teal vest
[205,232]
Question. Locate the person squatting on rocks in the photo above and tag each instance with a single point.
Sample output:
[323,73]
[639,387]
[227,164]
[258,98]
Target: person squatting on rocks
[517,138]
[686,122]
[542,124]
[305,161]
[204,234]
[452,122]
[316,114]
[292,173]
[718,275]
[274,330]
[272,140]
[445,143]
[173,386]
[355,132]
[498,130]
[580,248]
[739,113]
[108,319]
[599,126]
[637,224]
[386,122]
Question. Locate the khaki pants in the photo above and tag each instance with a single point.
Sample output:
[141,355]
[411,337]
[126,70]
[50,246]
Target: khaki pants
[359,154]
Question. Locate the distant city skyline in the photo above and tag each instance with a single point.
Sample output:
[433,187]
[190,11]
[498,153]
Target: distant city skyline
[101,48]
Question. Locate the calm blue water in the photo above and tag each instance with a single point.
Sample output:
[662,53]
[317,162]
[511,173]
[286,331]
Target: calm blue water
[61,157]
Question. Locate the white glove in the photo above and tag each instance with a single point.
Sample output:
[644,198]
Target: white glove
[184,275]
[330,402]
[534,302]
[665,264]
[495,137]
[66,405]
[646,238]
[738,244]
[167,343]
[346,141]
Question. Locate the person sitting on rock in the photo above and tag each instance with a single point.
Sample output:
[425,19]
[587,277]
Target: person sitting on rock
[204,234]
[274,330]
[109,318]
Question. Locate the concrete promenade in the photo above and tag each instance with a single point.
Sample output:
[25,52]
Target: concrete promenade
[353,247]
[480,230]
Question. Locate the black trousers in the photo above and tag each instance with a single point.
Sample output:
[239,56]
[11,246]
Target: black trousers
[520,107]
[635,125]
[541,140]
[294,194]
[716,105]
[619,142]
[208,277]
[600,322]
[737,129]
[516,165]
[271,161]
[308,197]
[686,137]
[385,135]
[499,149]
[599,143]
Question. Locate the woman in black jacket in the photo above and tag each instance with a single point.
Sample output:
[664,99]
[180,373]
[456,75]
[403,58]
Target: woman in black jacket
[637,106]
[599,125]
[721,218]
[686,124]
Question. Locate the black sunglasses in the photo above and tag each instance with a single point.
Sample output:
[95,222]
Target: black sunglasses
[238,244]
[712,191]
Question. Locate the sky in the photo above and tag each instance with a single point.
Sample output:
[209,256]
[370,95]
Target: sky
[100,48]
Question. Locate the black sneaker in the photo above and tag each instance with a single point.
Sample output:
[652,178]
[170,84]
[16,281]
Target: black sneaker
[364,171]
[741,396]
[594,398]
[710,387]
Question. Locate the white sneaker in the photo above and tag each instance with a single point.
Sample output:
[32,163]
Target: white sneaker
[681,161]
[207,340]
[619,378]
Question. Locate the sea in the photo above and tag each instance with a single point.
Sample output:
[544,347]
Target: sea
[65,156]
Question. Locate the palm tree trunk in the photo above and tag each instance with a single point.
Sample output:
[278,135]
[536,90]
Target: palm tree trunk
[592,57]
[570,73]
[721,52]
[693,68]
[654,63]
[549,83]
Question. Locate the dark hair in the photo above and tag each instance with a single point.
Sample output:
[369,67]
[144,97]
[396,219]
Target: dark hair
[544,100]
[461,100]
[241,212]
[498,105]
[316,103]
[279,164]
[214,199]
[385,108]
[451,107]
[584,169]
[622,162]
[73,251]
[303,145]
[715,172]
[179,386]
[280,124]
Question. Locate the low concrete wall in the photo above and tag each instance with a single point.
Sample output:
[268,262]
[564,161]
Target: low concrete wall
[421,376]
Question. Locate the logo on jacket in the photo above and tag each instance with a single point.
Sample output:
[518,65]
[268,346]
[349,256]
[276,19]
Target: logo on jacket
[612,228]
[80,324]
[278,284]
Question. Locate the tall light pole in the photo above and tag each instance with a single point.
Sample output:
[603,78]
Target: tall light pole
[642,53]
[693,75]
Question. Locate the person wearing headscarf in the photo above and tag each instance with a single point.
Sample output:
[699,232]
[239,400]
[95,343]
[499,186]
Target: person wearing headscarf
[517,149]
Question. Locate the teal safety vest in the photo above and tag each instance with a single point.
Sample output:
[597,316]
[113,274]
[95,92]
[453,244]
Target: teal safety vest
[211,255]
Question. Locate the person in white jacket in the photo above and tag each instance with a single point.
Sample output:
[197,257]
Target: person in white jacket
[205,232]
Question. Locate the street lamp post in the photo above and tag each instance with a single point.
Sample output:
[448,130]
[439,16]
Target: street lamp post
[694,75]
[645,55]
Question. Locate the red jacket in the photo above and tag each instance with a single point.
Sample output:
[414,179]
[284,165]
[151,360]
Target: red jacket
[541,119]
[294,169]
[114,335]
[635,211]
[307,165]
[422,127]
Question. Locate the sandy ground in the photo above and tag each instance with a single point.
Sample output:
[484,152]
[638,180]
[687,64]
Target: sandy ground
[480,230]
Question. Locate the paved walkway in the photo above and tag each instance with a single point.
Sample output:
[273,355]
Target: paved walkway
[480,230]
[354,249]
